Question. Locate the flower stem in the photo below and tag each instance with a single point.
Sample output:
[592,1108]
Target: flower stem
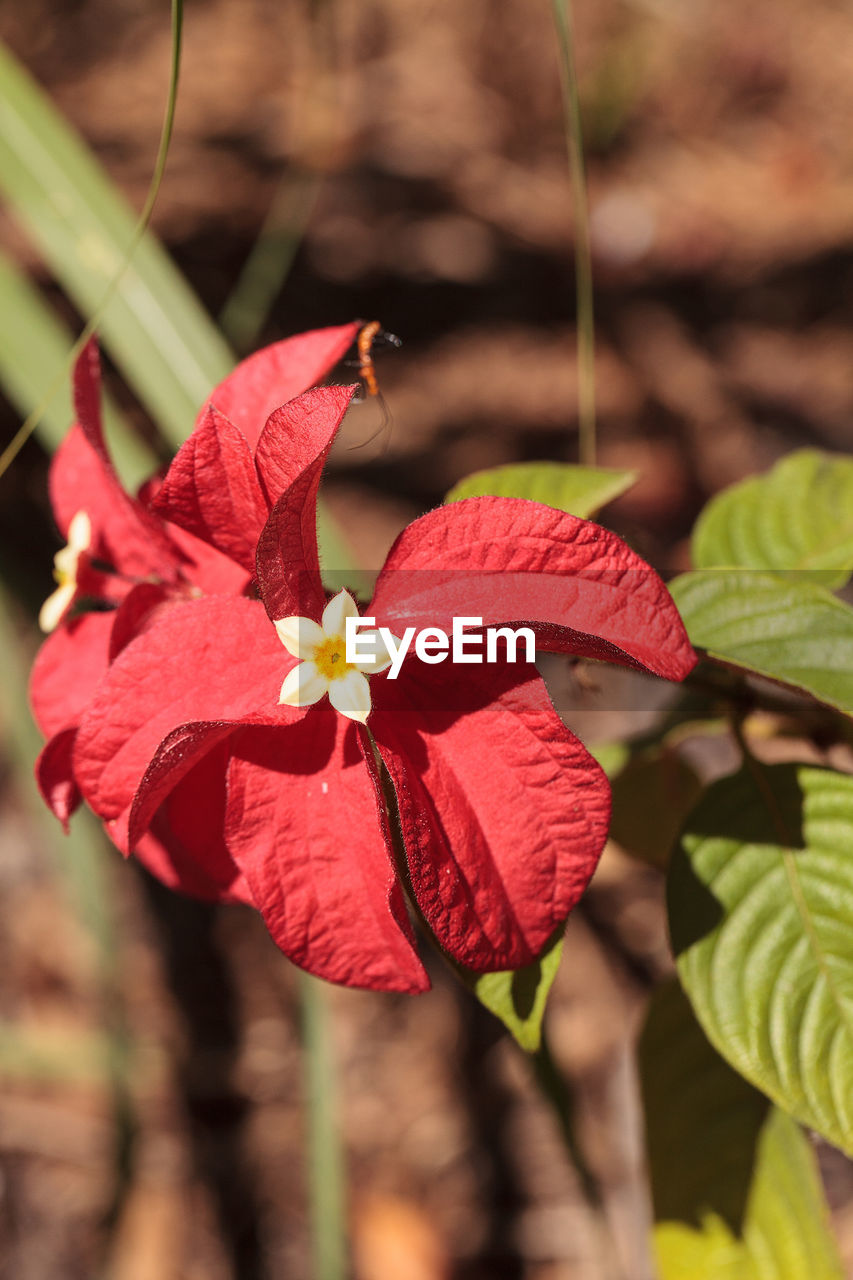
[732,686]
[583,255]
[325,1156]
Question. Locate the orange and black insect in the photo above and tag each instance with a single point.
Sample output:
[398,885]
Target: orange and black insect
[371,336]
[368,335]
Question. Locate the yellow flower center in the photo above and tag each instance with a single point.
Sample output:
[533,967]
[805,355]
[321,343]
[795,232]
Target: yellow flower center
[330,658]
[65,565]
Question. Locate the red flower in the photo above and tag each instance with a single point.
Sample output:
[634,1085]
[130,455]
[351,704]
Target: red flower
[132,562]
[503,811]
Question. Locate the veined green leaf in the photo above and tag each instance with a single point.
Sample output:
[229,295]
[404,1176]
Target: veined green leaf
[796,519]
[166,345]
[794,632]
[34,341]
[518,996]
[582,491]
[734,1182]
[760,900]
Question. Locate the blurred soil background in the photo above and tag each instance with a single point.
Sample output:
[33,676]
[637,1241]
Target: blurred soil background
[411,160]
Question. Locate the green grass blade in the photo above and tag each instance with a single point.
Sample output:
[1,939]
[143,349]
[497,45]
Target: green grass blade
[34,340]
[326,1161]
[167,346]
[159,334]
[79,857]
[82,865]
[250,302]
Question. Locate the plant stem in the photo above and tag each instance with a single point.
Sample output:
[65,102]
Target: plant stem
[325,1157]
[583,255]
[746,693]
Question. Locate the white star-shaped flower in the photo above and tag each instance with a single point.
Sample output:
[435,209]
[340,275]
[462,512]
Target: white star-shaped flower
[323,666]
[65,564]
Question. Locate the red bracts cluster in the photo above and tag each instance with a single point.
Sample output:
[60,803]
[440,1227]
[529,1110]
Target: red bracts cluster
[164,708]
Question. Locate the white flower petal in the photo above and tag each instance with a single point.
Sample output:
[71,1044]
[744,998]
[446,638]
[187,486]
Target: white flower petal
[336,612]
[300,636]
[65,564]
[351,696]
[303,685]
[382,658]
[80,532]
[51,612]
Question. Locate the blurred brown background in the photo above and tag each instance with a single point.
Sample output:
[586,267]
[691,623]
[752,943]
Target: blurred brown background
[410,157]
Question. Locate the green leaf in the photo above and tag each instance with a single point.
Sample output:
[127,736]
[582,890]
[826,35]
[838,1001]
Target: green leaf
[34,341]
[794,632]
[166,345]
[651,798]
[798,518]
[518,996]
[734,1183]
[760,900]
[582,491]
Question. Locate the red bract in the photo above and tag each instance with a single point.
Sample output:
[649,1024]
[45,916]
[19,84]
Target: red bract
[133,563]
[503,812]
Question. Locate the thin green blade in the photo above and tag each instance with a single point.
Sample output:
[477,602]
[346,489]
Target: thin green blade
[34,341]
[167,346]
